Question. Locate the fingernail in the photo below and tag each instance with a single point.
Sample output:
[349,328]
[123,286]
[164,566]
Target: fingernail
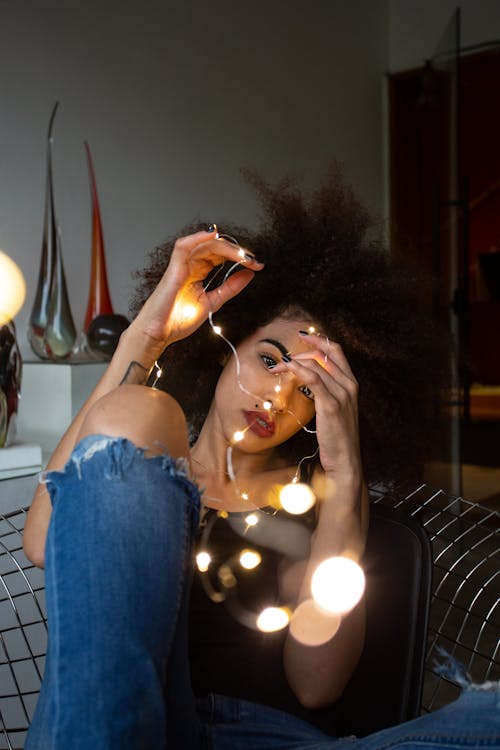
[286,358]
[250,256]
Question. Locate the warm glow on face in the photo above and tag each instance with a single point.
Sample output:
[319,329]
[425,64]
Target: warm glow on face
[338,584]
[311,625]
[203,561]
[249,559]
[272,618]
[297,498]
[12,289]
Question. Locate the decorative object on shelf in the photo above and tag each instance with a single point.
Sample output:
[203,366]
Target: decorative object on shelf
[12,288]
[104,333]
[52,331]
[10,382]
[99,301]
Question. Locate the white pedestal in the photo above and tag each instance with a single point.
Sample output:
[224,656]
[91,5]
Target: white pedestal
[51,396]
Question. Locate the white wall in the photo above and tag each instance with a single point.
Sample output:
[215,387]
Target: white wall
[416,27]
[174,97]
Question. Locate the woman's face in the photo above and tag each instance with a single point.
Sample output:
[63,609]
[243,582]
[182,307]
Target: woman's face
[292,404]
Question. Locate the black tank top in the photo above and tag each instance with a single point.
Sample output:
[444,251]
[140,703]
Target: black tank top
[226,656]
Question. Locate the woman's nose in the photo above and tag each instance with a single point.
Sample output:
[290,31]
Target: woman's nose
[282,391]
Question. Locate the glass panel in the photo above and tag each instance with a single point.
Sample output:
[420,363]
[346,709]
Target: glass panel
[449,238]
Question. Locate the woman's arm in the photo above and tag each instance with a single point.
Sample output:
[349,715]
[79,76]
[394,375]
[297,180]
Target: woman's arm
[131,362]
[159,323]
[318,674]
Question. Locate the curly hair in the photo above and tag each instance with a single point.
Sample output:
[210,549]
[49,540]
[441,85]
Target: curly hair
[325,261]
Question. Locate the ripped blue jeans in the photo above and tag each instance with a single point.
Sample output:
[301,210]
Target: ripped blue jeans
[117,583]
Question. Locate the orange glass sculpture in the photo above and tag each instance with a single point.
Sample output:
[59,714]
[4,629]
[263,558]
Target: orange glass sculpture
[99,301]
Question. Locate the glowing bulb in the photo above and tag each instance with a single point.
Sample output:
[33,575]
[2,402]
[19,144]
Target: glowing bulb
[273,618]
[277,388]
[249,559]
[244,496]
[337,584]
[311,329]
[12,288]
[241,253]
[217,330]
[297,497]
[267,405]
[311,625]
[203,561]
[238,435]
[188,312]
[252,520]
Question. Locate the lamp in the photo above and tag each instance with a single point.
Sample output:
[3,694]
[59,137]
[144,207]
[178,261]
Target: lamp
[12,288]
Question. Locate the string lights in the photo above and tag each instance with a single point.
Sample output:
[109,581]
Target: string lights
[337,584]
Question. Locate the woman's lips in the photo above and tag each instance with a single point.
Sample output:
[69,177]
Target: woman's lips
[260,423]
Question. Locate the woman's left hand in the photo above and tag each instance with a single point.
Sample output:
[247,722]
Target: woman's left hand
[327,373]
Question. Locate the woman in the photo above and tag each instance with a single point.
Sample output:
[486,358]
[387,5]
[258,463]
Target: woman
[322,302]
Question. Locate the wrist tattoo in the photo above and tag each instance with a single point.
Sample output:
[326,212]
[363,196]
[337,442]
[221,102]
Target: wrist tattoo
[135,374]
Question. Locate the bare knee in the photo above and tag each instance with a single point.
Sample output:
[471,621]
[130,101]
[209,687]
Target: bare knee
[150,418]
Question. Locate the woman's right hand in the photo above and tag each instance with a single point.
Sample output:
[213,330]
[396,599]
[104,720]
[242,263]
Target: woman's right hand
[179,304]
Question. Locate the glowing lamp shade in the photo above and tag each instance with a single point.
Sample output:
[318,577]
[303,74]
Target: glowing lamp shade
[297,498]
[338,584]
[12,288]
[272,619]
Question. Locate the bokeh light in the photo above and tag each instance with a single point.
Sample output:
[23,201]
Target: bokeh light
[272,619]
[338,584]
[203,561]
[250,559]
[312,625]
[297,498]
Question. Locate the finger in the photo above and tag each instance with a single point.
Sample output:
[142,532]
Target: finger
[310,373]
[219,250]
[328,364]
[229,289]
[331,348]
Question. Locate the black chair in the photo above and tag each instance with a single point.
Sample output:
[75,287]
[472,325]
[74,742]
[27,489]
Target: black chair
[386,687]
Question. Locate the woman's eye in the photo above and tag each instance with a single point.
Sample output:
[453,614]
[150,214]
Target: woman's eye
[306,391]
[269,361]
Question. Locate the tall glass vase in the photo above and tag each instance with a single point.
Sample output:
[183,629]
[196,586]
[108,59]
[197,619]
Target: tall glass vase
[99,300]
[60,333]
[51,331]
